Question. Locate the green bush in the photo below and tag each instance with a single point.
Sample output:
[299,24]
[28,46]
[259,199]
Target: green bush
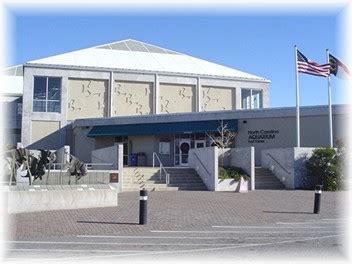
[232,173]
[324,167]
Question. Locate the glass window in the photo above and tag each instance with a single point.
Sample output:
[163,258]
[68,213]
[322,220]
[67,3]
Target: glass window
[54,88]
[164,147]
[47,94]
[252,99]
[39,88]
[256,99]
[246,98]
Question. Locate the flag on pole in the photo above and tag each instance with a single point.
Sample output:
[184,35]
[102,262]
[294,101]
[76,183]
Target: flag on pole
[339,69]
[307,66]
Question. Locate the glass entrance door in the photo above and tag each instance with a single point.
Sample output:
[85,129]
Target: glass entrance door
[185,145]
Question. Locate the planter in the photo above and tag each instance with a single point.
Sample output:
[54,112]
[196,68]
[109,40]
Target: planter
[230,185]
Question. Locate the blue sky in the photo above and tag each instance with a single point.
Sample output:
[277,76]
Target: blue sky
[254,43]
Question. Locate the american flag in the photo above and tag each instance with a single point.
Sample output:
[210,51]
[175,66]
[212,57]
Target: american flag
[307,66]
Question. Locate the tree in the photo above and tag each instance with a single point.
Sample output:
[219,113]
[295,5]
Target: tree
[223,138]
[323,168]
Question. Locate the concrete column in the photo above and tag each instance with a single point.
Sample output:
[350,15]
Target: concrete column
[238,98]
[252,169]
[156,101]
[110,90]
[199,96]
[120,165]
[216,167]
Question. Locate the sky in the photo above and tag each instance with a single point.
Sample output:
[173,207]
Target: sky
[258,43]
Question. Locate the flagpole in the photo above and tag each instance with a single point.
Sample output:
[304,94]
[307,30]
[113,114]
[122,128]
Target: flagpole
[298,143]
[329,105]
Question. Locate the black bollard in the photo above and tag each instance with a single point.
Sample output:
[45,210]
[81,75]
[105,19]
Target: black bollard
[143,197]
[317,198]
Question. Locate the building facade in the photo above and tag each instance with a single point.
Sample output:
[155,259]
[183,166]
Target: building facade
[152,100]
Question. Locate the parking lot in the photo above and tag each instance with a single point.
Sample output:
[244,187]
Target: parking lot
[185,225]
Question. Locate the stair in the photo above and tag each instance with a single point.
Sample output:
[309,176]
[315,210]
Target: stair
[136,178]
[266,180]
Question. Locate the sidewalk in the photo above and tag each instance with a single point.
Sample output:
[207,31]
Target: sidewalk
[182,210]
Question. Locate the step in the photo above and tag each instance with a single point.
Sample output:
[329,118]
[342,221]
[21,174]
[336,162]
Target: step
[265,186]
[134,189]
[266,180]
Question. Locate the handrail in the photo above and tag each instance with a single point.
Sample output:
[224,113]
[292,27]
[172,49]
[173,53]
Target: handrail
[86,164]
[161,168]
[278,163]
[201,163]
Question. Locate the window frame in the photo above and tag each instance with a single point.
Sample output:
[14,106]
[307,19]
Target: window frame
[162,142]
[251,98]
[47,100]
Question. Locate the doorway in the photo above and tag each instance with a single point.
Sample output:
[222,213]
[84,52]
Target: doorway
[185,145]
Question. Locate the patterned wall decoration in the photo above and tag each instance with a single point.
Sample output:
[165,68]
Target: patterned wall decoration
[132,98]
[218,98]
[87,98]
[177,98]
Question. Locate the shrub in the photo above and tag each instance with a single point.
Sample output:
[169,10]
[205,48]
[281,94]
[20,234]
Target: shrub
[323,167]
[232,173]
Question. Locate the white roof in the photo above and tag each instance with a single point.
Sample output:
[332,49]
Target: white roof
[12,85]
[138,56]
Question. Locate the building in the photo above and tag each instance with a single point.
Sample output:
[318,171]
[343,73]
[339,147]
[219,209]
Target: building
[154,100]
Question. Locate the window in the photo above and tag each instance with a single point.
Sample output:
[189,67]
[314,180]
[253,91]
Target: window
[164,147]
[252,99]
[256,99]
[47,94]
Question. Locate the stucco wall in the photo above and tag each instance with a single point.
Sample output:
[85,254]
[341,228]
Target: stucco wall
[83,145]
[183,94]
[28,115]
[25,201]
[282,132]
[132,98]
[87,98]
[45,134]
[218,98]
[106,155]
[104,142]
[239,157]
[205,162]
[177,98]
[287,164]
[144,144]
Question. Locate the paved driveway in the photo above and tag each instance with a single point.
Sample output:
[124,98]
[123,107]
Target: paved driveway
[182,225]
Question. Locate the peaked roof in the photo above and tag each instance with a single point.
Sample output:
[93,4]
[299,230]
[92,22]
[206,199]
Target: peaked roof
[132,55]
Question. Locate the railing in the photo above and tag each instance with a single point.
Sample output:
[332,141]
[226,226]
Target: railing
[201,163]
[278,163]
[161,168]
[89,166]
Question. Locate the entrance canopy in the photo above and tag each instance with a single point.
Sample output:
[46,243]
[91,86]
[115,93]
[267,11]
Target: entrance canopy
[162,128]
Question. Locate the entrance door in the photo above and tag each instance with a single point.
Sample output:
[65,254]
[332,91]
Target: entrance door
[185,145]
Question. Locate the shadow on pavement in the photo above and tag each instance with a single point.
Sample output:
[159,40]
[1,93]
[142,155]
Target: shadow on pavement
[281,212]
[109,223]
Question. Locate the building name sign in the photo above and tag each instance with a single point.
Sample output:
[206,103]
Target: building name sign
[262,136]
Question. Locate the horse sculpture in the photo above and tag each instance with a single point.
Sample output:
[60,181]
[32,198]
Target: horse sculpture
[29,163]
[33,163]
[76,168]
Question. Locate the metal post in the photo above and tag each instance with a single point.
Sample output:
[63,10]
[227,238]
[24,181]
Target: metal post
[143,197]
[153,159]
[298,139]
[329,105]
[317,198]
